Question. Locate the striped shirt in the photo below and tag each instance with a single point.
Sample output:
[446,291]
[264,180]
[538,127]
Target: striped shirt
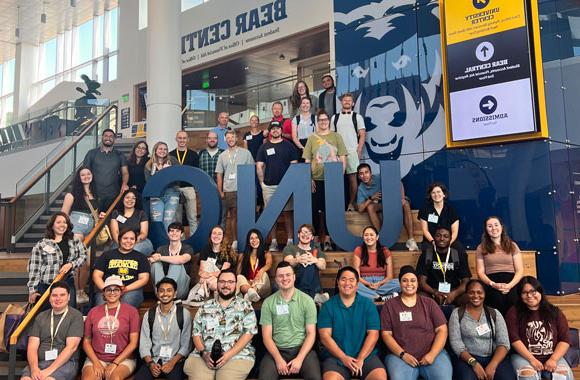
[207,163]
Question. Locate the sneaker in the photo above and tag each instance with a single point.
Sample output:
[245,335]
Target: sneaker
[197,300]
[321,298]
[411,245]
[389,296]
[350,208]
[273,246]
[327,246]
[253,295]
[82,297]
[290,242]
[235,245]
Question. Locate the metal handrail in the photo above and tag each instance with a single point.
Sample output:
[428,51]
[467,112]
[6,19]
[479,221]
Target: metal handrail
[88,240]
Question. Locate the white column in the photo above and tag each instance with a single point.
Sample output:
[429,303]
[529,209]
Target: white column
[24,76]
[163,71]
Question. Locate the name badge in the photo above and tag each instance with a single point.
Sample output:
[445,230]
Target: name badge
[110,348]
[270,151]
[232,176]
[121,219]
[48,249]
[166,352]
[405,316]
[83,219]
[249,137]
[433,218]
[482,329]
[282,309]
[444,287]
[51,354]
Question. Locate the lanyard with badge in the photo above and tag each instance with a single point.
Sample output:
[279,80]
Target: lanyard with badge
[53,352]
[444,287]
[165,353]
[232,163]
[181,159]
[111,348]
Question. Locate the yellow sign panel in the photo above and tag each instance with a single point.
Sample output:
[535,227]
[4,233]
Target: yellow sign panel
[469,19]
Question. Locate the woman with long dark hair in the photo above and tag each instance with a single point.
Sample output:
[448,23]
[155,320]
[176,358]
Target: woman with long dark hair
[77,204]
[130,215]
[538,333]
[499,265]
[253,266]
[58,252]
[438,212]
[478,335]
[375,266]
[136,164]
[300,92]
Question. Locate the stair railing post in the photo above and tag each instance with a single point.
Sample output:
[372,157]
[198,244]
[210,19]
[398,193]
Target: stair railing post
[47,191]
[12,362]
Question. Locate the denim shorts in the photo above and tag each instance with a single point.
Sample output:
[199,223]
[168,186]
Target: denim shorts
[87,224]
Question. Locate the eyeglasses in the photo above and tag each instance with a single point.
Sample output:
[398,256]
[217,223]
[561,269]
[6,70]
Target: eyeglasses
[323,120]
[531,293]
[113,290]
[223,282]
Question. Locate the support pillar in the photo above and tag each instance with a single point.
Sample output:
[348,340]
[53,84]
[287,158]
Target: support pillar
[163,71]
[24,75]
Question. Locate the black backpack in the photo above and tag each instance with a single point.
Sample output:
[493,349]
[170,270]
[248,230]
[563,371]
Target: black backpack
[354,122]
[312,119]
[151,320]
[489,315]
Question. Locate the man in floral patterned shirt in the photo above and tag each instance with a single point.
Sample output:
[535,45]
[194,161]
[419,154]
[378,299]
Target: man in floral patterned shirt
[231,320]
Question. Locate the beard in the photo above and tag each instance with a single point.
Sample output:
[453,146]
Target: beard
[226,296]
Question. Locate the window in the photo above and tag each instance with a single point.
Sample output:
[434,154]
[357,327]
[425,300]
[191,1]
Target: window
[83,47]
[47,63]
[8,77]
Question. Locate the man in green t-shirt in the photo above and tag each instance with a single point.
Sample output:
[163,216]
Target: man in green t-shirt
[288,322]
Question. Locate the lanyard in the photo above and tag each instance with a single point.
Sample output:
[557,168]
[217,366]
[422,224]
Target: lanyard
[443,269]
[163,330]
[53,332]
[176,253]
[109,322]
[181,159]
[232,160]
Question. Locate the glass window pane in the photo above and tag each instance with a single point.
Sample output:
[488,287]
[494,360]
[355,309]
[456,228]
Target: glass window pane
[99,74]
[83,43]
[99,33]
[1,75]
[48,64]
[8,80]
[113,67]
[6,115]
[114,15]
[186,4]
[142,14]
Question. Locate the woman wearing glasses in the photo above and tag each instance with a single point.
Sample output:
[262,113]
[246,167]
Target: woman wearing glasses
[538,333]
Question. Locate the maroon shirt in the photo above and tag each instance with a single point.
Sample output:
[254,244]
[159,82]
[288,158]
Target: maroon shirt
[415,336]
[539,337]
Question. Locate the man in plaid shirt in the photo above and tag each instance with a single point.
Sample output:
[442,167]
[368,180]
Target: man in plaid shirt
[208,157]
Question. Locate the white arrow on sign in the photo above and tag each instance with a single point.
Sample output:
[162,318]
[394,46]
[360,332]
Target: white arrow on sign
[489,105]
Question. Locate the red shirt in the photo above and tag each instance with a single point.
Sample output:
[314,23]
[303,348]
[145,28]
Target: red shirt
[372,268]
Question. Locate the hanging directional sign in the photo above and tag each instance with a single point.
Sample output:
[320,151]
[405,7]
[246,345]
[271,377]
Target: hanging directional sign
[493,73]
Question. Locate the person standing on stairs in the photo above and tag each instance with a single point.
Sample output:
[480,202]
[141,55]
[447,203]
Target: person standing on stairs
[58,252]
[82,206]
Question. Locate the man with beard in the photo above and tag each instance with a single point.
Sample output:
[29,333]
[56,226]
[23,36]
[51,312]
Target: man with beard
[108,166]
[165,335]
[230,320]
[208,157]
[327,98]
[288,322]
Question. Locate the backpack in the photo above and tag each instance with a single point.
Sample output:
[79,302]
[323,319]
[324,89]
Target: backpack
[151,320]
[354,122]
[489,315]
[312,119]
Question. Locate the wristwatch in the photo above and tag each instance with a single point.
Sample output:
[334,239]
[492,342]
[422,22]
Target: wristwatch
[402,354]
[472,361]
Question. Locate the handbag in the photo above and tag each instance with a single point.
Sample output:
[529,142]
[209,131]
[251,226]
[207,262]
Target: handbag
[9,322]
[104,234]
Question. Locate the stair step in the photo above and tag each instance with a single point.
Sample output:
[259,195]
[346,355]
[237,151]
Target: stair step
[13,278]
[13,293]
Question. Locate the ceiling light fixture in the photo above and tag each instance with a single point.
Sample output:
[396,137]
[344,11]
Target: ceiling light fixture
[43,18]
[17,30]
[73,3]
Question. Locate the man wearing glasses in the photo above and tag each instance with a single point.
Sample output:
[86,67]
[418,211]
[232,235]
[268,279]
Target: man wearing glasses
[230,320]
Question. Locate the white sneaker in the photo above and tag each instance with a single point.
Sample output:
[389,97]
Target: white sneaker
[235,245]
[290,242]
[411,245]
[82,297]
[253,295]
[273,246]
[321,298]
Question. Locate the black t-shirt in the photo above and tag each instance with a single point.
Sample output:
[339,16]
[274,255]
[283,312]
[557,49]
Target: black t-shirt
[134,222]
[254,142]
[208,253]
[191,159]
[185,249]
[277,158]
[64,248]
[447,217]
[125,265]
[455,271]
[136,176]
[106,168]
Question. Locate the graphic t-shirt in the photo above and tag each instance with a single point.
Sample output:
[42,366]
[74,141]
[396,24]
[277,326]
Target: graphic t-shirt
[323,148]
[107,330]
[125,265]
[208,255]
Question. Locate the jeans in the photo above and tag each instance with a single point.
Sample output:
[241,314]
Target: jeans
[81,228]
[308,279]
[387,288]
[464,371]
[399,370]
[176,272]
[164,209]
[519,362]
[134,298]
[190,207]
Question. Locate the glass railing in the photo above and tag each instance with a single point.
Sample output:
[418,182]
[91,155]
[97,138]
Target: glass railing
[40,187]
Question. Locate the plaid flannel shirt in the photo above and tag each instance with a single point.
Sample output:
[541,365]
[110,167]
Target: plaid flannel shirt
[46,260]
[208,163]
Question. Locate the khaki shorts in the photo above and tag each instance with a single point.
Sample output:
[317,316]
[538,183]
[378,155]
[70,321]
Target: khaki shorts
[131,364]
[268,192]
[230,199]
[352,162]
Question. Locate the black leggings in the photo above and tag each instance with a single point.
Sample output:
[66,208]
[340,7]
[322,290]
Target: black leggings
[495,298]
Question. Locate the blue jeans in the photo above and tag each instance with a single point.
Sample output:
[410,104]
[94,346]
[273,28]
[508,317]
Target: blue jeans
[464,371]
[519,362]
[308,279]
[134,298]
[399,370]
[176,272]
[164,209]
[387,288]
